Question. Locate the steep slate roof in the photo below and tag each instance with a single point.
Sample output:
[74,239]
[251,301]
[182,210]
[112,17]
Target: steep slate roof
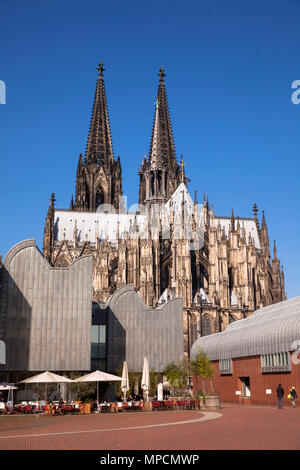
[92,224]
[249,225]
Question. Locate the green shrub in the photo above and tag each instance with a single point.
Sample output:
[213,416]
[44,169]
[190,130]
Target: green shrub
[203,368]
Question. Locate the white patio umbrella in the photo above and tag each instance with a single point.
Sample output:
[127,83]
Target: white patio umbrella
[10,388]
[146,378]
[125,380]
[98,376]
[6,386]
[46,377]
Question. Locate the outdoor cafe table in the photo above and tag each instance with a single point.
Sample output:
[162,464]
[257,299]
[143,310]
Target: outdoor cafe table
[65,408]
[29,408]
[133,405]
[120,406]
[174,405]
[103,407]
[20,408]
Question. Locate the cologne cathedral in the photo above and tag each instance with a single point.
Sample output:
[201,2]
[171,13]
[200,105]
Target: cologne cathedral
[171,245]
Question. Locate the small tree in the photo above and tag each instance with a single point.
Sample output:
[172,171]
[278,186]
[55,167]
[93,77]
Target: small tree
[203,368]
[84,391]
[177,374]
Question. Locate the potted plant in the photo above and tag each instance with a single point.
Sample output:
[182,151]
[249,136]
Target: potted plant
[202,367]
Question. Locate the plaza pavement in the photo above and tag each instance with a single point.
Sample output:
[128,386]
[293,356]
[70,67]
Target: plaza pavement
[230,428]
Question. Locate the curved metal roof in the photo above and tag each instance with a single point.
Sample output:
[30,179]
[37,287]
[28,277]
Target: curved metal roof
[268,330]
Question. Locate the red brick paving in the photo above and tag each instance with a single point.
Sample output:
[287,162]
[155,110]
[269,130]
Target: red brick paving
[247,428]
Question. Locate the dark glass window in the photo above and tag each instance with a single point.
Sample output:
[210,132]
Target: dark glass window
[98,338]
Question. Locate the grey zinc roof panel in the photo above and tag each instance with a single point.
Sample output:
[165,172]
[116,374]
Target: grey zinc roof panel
[268,330]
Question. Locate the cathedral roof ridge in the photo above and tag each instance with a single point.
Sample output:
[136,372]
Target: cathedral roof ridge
[237,217]
[62,209]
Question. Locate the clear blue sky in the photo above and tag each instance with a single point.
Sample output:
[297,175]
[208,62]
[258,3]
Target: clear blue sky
[229,64]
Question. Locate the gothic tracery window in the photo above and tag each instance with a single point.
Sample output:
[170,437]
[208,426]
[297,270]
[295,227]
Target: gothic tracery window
[152,184]
[99,196]
[206,325]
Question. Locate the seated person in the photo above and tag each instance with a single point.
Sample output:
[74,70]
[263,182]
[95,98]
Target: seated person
[60,404]
[10,405]
[94,406]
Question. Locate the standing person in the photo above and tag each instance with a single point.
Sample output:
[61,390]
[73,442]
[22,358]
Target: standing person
[293,396]
[280,394]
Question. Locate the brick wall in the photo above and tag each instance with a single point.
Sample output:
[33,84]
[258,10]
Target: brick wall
[227,385]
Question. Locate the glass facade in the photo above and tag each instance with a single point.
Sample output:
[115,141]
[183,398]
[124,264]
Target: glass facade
[98,339]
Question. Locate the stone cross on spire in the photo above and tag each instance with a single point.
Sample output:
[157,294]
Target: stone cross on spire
[161,73]
[101,69]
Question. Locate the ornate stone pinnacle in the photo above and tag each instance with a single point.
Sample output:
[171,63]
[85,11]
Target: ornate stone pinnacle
[52,200]
[101,69]
[255,210]
[161,73]
[182,165]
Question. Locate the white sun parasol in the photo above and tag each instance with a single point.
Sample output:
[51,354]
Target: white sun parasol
[98,376]
[146,378]
[6,386]
[10,388]
[125,380]
[46,377]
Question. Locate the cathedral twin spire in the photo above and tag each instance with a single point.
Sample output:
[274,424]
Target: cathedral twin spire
[99,144]
[160,174]
[162,149]
[99,180]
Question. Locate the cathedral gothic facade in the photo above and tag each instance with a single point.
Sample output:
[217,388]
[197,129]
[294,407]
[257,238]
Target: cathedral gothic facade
[171,246]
